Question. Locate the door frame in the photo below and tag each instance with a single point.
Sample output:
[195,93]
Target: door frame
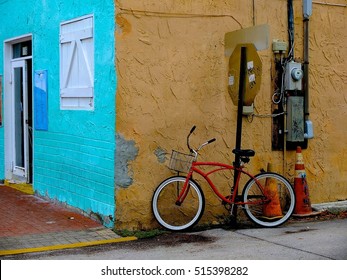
[23,169]
[11,173]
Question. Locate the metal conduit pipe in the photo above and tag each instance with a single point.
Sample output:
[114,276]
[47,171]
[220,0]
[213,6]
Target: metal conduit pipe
[306,67]
[329,4]
[253,11]
[290,14]
[307,12]
[290,28]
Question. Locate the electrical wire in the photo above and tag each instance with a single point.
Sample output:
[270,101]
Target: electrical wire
[279,98]
[177,15]
[290,30]
[268,115]
[250,117]
[279,93]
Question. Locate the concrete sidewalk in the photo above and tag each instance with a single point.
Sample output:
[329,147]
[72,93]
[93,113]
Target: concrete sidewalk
[31,224]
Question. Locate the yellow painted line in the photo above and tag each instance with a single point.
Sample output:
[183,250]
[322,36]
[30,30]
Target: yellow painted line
[65,246]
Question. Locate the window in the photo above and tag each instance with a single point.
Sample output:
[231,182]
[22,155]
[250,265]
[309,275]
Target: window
[22,49]
[77,64]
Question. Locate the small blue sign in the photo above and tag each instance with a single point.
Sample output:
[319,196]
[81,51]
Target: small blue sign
[41,100]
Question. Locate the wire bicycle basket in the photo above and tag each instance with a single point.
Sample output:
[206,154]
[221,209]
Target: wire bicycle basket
[180,162]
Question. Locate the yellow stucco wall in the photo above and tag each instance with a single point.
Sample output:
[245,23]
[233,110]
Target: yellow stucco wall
[172,74]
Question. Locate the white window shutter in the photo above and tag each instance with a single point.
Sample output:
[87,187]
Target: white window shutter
[77,64]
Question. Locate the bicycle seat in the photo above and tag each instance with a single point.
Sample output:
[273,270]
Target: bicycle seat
[244,153]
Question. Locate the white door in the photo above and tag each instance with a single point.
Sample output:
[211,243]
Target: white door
[20,126]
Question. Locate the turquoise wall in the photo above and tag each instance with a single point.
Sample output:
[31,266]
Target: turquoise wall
[74,159]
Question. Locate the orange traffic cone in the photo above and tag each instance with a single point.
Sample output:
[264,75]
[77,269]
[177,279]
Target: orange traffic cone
[303,203]
[272,210]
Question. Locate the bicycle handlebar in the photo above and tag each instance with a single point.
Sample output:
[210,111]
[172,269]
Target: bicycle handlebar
[202,145]
[192,129]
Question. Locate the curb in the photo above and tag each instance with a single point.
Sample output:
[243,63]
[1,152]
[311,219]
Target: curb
[66,246]
[332,207]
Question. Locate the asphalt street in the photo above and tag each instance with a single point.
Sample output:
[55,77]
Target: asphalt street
[296,240]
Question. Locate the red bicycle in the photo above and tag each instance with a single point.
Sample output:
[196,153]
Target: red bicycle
[178,202]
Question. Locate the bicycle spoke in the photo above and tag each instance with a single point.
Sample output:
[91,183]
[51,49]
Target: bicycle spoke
[173,216]
[273,208]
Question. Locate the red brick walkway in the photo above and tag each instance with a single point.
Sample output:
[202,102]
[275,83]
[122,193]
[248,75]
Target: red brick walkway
[22,214]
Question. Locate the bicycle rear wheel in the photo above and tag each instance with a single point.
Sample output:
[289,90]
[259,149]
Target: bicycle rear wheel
[273,208]
[177,217]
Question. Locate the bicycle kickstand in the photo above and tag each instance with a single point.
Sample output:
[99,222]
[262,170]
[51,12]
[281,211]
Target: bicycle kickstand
[232,210]
[233,215]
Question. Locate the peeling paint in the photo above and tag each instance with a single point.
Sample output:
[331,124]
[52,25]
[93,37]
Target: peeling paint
[126,151]
[161,154]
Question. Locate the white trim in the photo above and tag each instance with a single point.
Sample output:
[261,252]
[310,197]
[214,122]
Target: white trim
[21,58]
[77,19]
[19,39]
[8,101]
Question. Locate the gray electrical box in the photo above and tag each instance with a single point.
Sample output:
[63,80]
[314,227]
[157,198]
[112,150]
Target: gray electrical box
[295,119]
[293,76]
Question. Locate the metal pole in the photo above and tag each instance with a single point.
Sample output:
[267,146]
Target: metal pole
[306,67]
[243,67]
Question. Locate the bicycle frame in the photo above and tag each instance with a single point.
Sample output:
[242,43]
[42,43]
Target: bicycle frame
[220,167]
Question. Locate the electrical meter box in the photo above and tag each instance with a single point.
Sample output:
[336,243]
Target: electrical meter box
[295,119]
[293,76]
[307,8]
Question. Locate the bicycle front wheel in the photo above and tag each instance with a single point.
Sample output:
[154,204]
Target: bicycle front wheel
[270,205]
[178,217]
